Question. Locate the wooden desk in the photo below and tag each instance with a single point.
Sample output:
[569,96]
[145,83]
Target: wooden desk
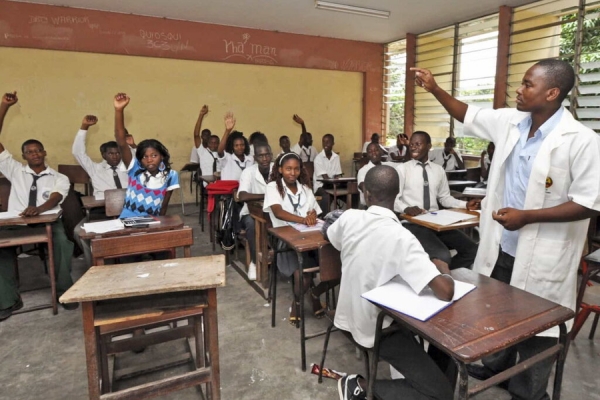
[298,242]
[89,203]
[441,228]
[197,275]
[167,222]
[491,318]
[461,185]
[191,168]
[335,182]
[262,222]
[30,236]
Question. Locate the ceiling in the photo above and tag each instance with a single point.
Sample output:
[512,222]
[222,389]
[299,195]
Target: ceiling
[301,16]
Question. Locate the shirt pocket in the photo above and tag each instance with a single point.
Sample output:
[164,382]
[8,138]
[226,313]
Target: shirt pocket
[555,190]
[550,260]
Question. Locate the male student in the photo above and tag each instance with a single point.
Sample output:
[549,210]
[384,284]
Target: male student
[327,165]
[485,162]
[253,184]
[203,155]
[374,249]
[422,185]
[304,147]
[284,143]
[543,187]
[447,157]
[374,139]
[374,156]
[35,188]
[399,151]
[111,173]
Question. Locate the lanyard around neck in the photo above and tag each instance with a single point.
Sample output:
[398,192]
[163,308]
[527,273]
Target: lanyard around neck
[295,205]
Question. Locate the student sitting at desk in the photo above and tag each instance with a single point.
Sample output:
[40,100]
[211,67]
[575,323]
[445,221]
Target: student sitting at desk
[35,188]
[399,152]
[447,157]
[151,179]
[284,143]
[422,185]
[374,249]
[375,139]
[234,151]
[256,137]
[374,156]
[253,184]
[111,173]
[289,199]
[327,165]
[304,147]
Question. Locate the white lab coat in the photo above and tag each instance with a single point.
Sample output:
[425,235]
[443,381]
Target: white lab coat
[548,254]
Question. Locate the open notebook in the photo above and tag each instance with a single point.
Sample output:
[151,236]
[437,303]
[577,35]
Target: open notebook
[399,296]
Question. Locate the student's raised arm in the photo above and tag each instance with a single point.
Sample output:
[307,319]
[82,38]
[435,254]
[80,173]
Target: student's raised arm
[229,125]
[78,148]
[198,127]
[300,121]
[120,102]
[8,100]
[456,108]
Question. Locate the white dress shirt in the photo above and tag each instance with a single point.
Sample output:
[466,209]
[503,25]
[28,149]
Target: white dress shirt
[304,198]
[194,155]
[100,173]
[21,178]
[394,150]
[437,156]
[360,176]
[366,144]
[326,166]
[232,166]
[307,154]
[252,181]
[207,158]
[411,187]
[374,248]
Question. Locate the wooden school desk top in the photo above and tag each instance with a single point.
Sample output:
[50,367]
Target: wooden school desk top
[299,241]
[90,202]
[440,228]
[167,222]
[37,219]
[338,180]
[147,278]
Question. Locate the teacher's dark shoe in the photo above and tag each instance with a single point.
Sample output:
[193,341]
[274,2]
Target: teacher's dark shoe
[7,312]
[481,373]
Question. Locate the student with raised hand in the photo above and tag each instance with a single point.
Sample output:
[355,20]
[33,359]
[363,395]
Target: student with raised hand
[375,139]
[327,165]
[542,189]
[304,147]
[374,156]
[284,143]
[374,249]
[111,173]
[253,184]
[35,188]
[399,152]
[288,198]
[201,137]
[151,179]
[447,157]
[422,185]
[234,151]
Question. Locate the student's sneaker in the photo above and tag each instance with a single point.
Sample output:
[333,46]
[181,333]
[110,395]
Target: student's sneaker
[252,271]
[349,388]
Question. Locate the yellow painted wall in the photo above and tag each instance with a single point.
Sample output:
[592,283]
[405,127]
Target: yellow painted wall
[56,89]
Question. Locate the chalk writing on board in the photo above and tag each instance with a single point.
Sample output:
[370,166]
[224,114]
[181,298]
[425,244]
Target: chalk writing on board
[69,20]
[355,65]
[255,52]
[166,41]
[38,19]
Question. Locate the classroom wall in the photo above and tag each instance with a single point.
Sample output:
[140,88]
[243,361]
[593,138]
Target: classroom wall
[57,88]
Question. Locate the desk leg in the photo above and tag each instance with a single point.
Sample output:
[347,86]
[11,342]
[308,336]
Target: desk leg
[463,380]
[51,268]
[375,357]
[564,341]
[91,349]
[202,205]
[212,330]
[335,206]
[302,331]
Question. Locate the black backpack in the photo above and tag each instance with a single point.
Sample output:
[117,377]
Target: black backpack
[225,234]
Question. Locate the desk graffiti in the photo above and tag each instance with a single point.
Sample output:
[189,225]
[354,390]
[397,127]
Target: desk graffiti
[258,53]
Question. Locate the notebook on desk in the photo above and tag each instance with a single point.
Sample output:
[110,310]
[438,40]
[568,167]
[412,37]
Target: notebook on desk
[306,228]
[138,222]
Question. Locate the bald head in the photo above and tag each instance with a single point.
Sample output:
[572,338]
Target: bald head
[382,183]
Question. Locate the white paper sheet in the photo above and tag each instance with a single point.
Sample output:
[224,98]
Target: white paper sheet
[9,214]
[444,217]
[306,228]
[399,296]
[478,191]
[50,212]
[103,226]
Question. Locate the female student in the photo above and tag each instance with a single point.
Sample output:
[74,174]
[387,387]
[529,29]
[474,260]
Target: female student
[288,198]
[234,151]
[151,179]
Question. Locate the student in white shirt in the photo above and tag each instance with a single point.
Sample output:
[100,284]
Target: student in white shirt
[375,139]
[327,165]
[399,151]
[374,249]
[304,147]
[234,151]
[416,193]
[256,137]
[288,199]
[284,143]
[485,162]
[374,156]
[201,136]
[205,147]
[253,184]
[447,157]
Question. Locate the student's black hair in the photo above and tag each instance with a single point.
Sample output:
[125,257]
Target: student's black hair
[205,131]
[383,183]
[276,177]
[31,141]
[329,135]
[232,138]
[258,137]
[559,74]
[158,146]
[214,136]
[423,133]
[260,144]
[374,136]
[374,144]
[283,137]
[108,145]
[451,139]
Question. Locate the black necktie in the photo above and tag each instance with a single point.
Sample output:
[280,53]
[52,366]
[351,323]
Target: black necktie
[295,205]
[445,160]
[116,178]
[33,191]
[238,164]
[214,162]
[426,199]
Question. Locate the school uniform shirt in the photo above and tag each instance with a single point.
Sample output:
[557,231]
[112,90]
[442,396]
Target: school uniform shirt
[307,154]
[21,179]
[252,181]
[194,155]
[366,144]
[360,176]
[396,152]
[232,167]
[299,204]
[207,159]
[145,193]
[374,248]
[325,166]
[439,157]
[411,187]
[100,173]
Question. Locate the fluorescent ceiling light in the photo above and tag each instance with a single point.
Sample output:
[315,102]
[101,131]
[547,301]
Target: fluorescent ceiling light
[369,12]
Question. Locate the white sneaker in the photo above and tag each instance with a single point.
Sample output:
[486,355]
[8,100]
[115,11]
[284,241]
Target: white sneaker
[252,271]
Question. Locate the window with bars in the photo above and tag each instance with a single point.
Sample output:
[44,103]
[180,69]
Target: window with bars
[394,81]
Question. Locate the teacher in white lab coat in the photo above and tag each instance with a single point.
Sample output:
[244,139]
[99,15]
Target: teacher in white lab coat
[543,187]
